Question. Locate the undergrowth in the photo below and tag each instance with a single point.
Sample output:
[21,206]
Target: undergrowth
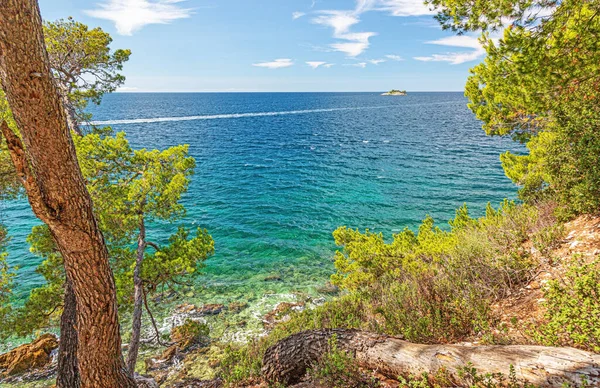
[430,286]
[572,304]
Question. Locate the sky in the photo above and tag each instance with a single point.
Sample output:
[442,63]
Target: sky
[278,45]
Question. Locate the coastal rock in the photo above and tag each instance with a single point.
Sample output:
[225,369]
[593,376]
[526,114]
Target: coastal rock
[211,309]
[273,278]
[328,289]
[281,313]
[207,309]
[36,354]
[236,307]
[145,382]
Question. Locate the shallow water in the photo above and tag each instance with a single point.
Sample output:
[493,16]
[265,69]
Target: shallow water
[278,172]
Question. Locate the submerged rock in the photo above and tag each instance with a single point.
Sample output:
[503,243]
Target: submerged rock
[236,307]
[328,289]
[207,309]
[281,313]
[211,309]
[273,278]
[34,355]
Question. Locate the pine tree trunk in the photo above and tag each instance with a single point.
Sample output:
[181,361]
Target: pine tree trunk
[288,360]
[67,375]
[70,113]
[138,299]
[46,162]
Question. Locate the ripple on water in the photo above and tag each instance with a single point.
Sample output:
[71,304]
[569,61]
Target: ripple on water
[271,186]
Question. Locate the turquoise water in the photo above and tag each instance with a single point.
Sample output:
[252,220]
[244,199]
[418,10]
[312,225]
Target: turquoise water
[278,172]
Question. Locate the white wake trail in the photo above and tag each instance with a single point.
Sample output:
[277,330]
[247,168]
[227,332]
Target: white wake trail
[231,116]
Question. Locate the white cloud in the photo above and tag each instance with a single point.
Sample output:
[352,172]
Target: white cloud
[342,20]
[362,65]
[297,15]
[328,65]
[131,15]
[315,64]
[452,58]
[127,89]
[404,7]
[394,57]
[458,41]
[376,61]
[276,64]
[456,58]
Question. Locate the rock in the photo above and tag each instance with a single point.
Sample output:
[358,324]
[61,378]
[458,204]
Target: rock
[207,309]
[281,313]
[236,307]
[185,308]
[211,309]
[328,289]
[189,334]
[36,354]
[273,278]
[144,382]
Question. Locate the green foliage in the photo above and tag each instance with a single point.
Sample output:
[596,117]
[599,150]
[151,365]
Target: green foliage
[241,364]
[573,309]
[539,84]
[180,258]
[191,332]
[10,187]
[43,307]
[548,238]
[129,187]
[6,283]
[433,286]
[84,68]
[82,62]
[338,369]
[127,183]
[463,15]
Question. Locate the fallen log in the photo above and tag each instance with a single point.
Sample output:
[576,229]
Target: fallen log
[287,361]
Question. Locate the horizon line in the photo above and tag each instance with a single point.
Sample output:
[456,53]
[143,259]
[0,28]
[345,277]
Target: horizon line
[267,91]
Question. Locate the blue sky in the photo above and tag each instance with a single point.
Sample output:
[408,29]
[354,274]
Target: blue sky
[278,45]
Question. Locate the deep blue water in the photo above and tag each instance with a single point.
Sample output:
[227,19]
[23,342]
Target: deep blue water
[278,172]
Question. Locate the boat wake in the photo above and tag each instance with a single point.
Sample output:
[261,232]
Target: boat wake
[232,115]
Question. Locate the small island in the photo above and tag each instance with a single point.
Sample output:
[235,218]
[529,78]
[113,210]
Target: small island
[394,92]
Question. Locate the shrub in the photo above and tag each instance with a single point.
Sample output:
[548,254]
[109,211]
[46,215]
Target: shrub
[436,285]
[190,333]
[432,286]
[573,309]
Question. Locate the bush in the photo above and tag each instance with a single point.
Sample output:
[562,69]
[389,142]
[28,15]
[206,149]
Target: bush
[573,309]
[433,286]
[241,364]
[436,285]
[190,333]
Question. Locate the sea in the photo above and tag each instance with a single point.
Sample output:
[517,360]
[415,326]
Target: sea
[277,173]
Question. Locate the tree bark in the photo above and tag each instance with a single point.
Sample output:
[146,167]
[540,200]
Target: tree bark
[67,375]
[45,161]
[70,114]
[138,299]
[288,360]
